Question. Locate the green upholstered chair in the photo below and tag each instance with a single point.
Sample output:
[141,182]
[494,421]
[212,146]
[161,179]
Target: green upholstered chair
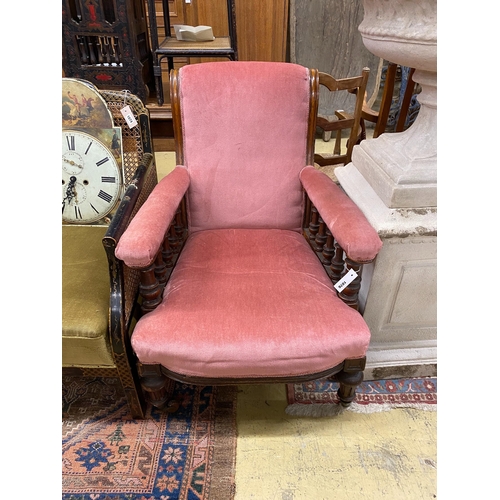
[99,292]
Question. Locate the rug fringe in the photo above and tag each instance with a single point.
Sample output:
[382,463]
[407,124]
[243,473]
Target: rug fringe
[331,410]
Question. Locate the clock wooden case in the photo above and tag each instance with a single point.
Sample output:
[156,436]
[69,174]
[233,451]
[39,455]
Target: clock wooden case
[106,42]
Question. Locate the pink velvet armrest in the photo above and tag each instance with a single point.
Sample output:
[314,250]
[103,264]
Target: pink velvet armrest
[141,241]
[343,218]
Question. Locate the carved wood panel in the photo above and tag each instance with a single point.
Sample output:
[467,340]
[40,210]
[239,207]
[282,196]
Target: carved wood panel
[106,43]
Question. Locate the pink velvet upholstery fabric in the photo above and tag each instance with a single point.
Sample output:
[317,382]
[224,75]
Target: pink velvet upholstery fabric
[244,134]
[345,220]
[141,241]
[249,303]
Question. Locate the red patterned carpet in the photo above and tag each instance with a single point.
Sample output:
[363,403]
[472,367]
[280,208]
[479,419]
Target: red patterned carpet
[189,455]
[319,398]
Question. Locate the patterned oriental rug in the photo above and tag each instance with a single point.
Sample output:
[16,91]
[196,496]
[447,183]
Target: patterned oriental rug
[319,398]
[189,455]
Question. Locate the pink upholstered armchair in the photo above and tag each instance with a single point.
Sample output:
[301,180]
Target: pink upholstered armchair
[241,244]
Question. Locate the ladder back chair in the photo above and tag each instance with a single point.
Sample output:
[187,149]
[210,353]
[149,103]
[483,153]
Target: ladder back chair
[398,107]
[340,120]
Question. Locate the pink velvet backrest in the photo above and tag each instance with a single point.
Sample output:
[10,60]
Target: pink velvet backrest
[244,138]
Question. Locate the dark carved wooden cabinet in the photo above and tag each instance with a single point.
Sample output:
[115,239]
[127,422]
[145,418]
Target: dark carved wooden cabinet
[106,42]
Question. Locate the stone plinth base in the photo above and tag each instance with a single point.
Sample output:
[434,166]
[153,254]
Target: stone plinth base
[395,363]
[399,292]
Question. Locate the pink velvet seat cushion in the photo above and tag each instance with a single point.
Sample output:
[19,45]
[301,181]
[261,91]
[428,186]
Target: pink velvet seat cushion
[249,303]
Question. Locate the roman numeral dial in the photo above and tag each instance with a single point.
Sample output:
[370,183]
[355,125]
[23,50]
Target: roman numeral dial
[105,196]
[101,162]
[70,139]
[91,176]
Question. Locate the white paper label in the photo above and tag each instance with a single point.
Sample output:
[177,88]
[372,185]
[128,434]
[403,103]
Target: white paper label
[346,280]
[129,116]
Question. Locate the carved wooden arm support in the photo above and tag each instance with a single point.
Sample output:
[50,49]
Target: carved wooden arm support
[154,277]
[153,238]
[137,191]
[338,231]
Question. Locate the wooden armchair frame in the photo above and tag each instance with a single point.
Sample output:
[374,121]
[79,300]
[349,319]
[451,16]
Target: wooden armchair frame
[156,380]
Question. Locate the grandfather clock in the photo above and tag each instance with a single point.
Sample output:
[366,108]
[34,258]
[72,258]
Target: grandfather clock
[106,42]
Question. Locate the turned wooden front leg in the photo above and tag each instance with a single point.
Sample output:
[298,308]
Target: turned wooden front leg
[347,388]
[157,387]
[349,379]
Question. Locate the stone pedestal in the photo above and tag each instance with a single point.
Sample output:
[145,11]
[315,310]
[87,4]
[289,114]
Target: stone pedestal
[393,179]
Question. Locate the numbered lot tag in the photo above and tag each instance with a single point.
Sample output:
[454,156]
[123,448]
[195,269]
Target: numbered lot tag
[129,116]
[346,280]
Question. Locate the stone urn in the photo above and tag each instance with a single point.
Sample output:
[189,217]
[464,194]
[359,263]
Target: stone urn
[402,167]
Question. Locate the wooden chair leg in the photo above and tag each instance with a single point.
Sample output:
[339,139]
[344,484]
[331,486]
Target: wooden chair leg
[157,387]
[347,388]
[349,378]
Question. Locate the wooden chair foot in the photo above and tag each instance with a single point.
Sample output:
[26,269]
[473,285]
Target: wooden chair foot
[158,388]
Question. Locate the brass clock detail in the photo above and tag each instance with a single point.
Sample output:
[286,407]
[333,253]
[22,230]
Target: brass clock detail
[91,178]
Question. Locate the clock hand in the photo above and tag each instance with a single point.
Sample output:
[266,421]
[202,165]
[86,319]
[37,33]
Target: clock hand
[71,162]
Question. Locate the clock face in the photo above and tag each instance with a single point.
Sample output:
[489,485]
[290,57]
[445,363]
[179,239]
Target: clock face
[91,178]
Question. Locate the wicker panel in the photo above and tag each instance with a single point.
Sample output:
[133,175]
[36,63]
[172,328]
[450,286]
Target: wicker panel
[123,367]
[131,279]
[90,372]
[134,138]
